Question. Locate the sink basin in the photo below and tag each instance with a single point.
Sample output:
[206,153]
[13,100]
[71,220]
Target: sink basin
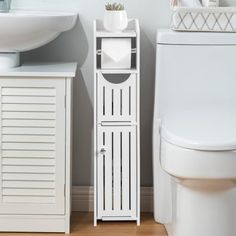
[26,30]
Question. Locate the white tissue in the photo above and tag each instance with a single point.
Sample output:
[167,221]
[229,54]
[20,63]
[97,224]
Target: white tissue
[116,53]
[190,3]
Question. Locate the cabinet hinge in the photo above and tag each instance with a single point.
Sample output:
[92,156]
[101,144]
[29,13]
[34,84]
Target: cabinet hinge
[64,190]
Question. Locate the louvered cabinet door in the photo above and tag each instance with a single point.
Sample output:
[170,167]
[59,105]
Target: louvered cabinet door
[117,172]
[32,154]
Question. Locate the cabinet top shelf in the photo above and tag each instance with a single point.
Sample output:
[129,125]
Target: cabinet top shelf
[132,30]
[42,70]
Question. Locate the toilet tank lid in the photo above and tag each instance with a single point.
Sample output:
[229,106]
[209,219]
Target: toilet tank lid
[203,129]
[171,37]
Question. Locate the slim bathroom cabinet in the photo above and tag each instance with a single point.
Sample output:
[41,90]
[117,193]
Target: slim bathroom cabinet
[35,154]
[117,131]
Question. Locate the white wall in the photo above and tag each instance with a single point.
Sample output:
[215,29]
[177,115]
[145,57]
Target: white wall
[77,46]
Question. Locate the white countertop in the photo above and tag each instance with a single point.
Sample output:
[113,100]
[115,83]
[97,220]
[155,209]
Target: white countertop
[42,70]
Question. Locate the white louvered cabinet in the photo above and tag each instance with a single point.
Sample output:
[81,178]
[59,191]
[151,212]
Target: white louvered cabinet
[35,154]
[117,131]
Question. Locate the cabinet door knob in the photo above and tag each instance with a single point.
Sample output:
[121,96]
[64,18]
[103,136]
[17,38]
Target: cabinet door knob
[103,151]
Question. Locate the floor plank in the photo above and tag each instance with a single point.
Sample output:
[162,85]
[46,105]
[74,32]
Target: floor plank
[82,225]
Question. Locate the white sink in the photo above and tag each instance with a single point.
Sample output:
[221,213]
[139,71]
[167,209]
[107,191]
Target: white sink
[26,30]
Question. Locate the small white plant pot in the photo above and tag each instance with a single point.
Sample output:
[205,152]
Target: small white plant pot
[115,21]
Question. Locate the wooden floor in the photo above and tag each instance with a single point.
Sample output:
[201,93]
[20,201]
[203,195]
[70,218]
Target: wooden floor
[82,225]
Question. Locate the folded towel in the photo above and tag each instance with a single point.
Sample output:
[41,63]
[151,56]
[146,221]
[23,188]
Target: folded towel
[210,3]
[189,3]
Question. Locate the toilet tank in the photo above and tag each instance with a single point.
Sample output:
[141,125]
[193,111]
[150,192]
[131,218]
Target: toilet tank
[195,70]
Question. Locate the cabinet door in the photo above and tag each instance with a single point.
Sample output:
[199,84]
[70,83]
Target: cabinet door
[117,177]
[32,155]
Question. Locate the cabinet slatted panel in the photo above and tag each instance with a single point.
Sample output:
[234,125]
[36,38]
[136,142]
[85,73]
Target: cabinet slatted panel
[20,100]
[29,147]
[117,171]
[117,102]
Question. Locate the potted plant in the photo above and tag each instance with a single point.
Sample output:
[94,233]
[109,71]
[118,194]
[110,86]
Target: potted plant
[115,18]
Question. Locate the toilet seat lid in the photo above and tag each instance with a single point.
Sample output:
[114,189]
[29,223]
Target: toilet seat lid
[207,130]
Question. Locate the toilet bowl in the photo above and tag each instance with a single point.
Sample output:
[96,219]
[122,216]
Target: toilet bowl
[194,134]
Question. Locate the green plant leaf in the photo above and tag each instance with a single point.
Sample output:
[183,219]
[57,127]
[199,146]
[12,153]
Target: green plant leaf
[114,7]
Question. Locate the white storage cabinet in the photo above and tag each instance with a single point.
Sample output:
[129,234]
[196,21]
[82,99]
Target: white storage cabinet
[35,155]
[117,132]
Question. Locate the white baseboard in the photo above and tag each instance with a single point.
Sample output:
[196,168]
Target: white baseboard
[82,199]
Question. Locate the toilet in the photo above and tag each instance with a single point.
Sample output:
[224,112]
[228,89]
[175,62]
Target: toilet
[194,133]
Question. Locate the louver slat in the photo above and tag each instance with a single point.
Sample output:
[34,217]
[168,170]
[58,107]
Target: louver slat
[28,138]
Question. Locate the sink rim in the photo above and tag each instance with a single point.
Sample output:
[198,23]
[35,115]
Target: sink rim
[33,13]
